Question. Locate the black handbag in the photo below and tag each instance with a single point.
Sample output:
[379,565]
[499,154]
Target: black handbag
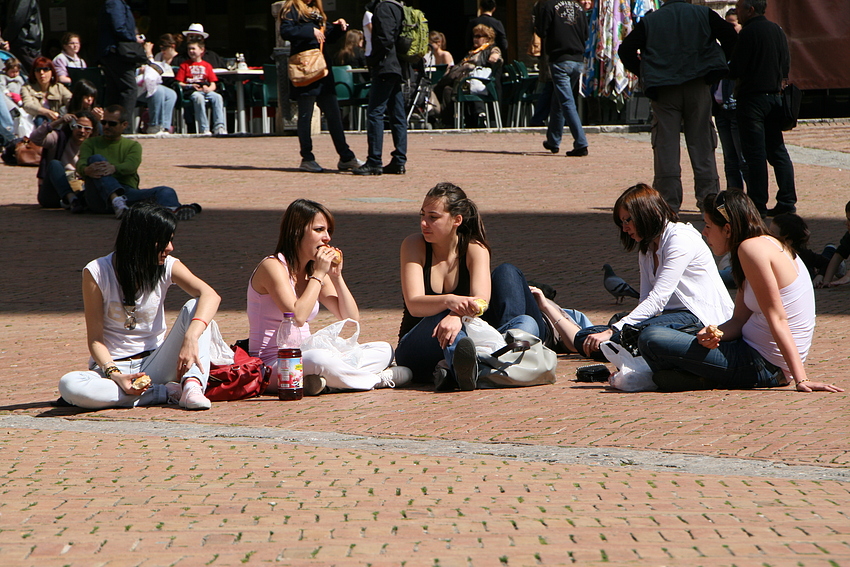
[791,99]
[131,52]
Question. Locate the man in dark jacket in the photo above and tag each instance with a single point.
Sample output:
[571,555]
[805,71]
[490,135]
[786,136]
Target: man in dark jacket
[486,18]
[562,24]
[761,64]
[116,24]
[385,93]
[679,59]
[24,31]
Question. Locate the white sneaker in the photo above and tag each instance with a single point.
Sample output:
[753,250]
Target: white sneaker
[153,130]
[193,397]
[394,376]
[349,165]
[221,131]
[119,205]
[310,166]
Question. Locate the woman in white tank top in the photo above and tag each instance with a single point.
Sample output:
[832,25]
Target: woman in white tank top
[766,341]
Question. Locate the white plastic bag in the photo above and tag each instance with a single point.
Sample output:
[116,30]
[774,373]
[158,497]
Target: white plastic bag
[478,87]
[487,339]
[220,353]
[24,124]
[633,374]
[348,350]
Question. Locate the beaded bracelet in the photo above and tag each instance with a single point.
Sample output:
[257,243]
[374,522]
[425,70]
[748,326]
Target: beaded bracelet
[110,369]
[318,279]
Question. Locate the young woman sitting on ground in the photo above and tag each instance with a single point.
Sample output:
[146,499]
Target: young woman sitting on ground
[765,342]
[124,301]
[445,268]
[303,272]
[680,286]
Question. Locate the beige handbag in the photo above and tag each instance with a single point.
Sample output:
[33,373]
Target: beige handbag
[307,67]
[523,362]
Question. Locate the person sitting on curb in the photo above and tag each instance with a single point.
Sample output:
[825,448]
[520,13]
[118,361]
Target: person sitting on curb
[109,165]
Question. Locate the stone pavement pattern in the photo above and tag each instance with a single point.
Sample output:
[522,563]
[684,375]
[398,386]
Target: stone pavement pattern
[547,214]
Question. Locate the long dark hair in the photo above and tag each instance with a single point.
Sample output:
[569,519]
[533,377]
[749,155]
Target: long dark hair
[471,229]
[734,208]
[82,89]
[650,214]
[298,216]
[793,230]
[145,231]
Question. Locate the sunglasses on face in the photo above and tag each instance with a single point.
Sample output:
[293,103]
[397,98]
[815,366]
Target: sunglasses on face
[81,127]
[110,123]
[480,37]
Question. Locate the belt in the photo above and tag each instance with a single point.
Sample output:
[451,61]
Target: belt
[135,356]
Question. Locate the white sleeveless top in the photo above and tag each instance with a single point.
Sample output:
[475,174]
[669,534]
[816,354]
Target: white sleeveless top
[798,299]
[150,310]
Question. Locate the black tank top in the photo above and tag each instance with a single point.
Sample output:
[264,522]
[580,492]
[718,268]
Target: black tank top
[408,321]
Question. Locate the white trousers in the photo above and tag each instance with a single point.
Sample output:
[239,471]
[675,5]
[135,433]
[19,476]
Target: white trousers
[90,389]
[376,356]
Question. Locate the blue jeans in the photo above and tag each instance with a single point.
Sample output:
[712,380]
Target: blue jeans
[511,307]
[385,95]
[161,106]
[199,103]
[54,186]
[330,106]
[672,320]
[543,106]
[564,76]
[7,125]
[733,365]
[98,191]
[759,123]
[734,164]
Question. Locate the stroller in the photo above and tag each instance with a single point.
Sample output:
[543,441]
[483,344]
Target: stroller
[416,90]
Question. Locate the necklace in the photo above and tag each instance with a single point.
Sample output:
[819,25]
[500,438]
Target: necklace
[130,323]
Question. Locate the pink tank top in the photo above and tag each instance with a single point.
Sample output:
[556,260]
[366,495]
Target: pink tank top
[264,319]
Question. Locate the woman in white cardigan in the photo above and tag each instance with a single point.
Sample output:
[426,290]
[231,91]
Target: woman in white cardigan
[680,287]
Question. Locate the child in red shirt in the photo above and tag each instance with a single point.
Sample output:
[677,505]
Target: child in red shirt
[198,77]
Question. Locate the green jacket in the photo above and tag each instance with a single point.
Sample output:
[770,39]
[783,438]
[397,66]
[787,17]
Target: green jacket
[124,154]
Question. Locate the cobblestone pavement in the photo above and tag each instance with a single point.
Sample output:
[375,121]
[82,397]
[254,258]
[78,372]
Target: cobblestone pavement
[68,496]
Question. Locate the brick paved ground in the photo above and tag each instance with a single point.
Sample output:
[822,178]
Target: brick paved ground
[549,215]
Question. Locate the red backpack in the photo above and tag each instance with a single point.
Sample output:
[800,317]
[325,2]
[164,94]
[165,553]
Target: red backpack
[247,377]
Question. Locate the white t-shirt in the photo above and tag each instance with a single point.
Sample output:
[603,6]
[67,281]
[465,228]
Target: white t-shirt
[367,32]
[150,310]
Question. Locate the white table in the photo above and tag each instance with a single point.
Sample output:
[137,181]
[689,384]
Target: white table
[239,75]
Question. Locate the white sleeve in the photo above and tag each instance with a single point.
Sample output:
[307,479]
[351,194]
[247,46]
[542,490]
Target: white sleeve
[675,257]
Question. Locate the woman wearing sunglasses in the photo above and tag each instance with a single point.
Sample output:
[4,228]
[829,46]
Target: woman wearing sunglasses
[43,96]
[57,175]
[766,341]
[124,304]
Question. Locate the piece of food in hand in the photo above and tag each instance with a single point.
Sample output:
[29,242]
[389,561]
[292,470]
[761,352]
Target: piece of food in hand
[141,382]
[337,260]
[482,306]
[714,331]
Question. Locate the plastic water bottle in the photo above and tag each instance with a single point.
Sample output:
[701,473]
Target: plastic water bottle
[289,365]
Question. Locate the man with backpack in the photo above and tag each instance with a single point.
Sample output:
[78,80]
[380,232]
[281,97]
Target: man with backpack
[385,95]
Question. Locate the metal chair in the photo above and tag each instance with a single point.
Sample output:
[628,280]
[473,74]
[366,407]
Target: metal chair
[490,100]
[264,95]
[353,95]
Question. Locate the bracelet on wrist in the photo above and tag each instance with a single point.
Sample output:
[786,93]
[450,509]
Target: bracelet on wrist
[803,380]
[555,324]
[110,369]
[321,283]
[201,320]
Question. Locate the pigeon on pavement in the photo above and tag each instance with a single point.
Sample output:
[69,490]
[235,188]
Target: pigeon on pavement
[617,286]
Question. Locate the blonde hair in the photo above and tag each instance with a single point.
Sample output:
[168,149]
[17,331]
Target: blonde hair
[481,29]
[303,9]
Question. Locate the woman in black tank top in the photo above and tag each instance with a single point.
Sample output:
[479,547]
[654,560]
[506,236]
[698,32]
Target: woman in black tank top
[445,268]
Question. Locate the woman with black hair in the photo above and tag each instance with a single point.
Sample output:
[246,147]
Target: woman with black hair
[445,271]
[679,283]
[124,301]
[305,271]
[766,341]
[84,97]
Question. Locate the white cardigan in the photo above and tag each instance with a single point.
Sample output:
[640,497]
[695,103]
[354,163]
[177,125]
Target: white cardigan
[686,274]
